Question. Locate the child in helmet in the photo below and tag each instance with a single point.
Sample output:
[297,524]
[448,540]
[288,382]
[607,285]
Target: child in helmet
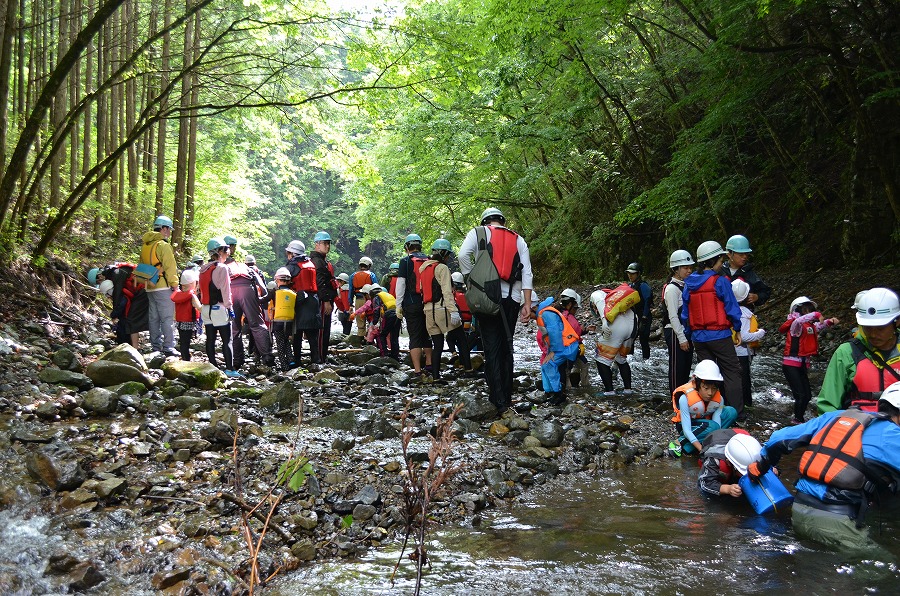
[700,408]
[747,339]
[342,303]
[724,458]
[360,279]
[614,344]
[364,314]
[282,326]
[187,310]
[563,343]
[384,310]
[801,329]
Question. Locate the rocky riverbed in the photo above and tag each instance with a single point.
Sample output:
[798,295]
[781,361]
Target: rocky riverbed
[140,469]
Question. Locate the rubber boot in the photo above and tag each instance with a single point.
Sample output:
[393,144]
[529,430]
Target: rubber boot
[605,375]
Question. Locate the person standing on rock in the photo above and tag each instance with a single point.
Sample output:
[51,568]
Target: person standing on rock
[562,341]
[643,309]
[308,317]
[342,302]
[681,351]
[410,304]
[245,290]
[187,309]
[738,267]
[156,251]
[328,289]
[709,314]
[364,276]
[216,305]
[441,314]
[614,342]
[511,257]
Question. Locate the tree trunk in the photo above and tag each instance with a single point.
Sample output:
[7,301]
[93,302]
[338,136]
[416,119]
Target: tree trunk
[192,140]
[163,83]
[184,124]
[8,13]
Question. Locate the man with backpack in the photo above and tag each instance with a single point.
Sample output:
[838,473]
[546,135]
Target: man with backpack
[411,305]
[509,253]
[157,253]
[130,306]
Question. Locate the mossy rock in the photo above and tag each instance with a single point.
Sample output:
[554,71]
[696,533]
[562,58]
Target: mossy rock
[245,392]
[105,373]
[284,395]
[125,354]
[129,388]
[203,374]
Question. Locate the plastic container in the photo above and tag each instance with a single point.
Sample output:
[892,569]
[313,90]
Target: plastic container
[768,495]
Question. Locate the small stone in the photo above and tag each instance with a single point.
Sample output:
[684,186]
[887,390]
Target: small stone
[363,512]
[304,550]
[498,429]
[182,455]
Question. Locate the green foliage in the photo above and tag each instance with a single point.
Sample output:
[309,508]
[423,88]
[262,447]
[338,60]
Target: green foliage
[293,473]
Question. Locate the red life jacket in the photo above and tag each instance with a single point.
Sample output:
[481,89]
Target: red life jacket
[342,301]
[807,344]
[504,251]
[705,309]
[462,306]
[870,380]
[415,263]
[305,280]
[835,454]
[393,286]
[209,293]
[428,286]
[359,279]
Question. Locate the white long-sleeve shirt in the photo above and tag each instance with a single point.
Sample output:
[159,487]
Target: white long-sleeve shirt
[469,251]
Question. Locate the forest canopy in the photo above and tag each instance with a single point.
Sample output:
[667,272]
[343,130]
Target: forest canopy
[607,132]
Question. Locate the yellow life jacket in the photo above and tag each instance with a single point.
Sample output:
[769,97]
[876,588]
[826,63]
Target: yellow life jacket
[754,327]
[285,299]
[388,300]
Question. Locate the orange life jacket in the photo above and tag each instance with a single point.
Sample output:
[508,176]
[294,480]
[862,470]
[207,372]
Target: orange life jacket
[415,263]
[209,292]
[569,336]
[359,279]
[427,285]
[870,379]
[696,406]
[705,309]
[305,280]
[835,454]
[504,251]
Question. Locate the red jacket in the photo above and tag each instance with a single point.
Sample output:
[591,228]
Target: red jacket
[184,310]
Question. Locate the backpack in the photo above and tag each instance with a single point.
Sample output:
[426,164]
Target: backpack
[483,285]
[619,300]
[147,270]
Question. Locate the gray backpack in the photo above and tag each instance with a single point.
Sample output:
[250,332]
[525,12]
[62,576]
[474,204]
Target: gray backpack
[483,285]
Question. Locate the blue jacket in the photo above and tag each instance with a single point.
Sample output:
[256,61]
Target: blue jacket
[725,294]
[880,442]
[553,324]
[642,310]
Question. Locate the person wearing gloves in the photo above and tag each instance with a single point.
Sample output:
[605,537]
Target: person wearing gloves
[410,306]
[852,459]
[862,367]
[724,458]
[442,316]
[562,342]
[613,343]
[747,339]
[681,350]
[187,310]
[802,328]
[215,304]
[700,408]
[709,313]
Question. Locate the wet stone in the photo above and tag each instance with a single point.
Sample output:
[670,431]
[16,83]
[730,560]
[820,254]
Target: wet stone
[182,455]
[368,495]
[498,428]
[56,465]
[549,432]
[496,481]
[66,359]
[101,401]
[47,411]
[476,407]
[363,512]
[538,464]
[166,579]
[472,501]
[343,443]
[307,520]
[105,373]
[84,577]
[56,376]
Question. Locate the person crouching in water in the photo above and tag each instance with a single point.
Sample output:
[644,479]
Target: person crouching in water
[187,309]
[441,314]
[699,407]
[216,305]
[284,299]
[724,459]
[562,341]
[384,317]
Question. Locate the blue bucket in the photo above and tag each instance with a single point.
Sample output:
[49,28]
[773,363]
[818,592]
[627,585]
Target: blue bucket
[768,495]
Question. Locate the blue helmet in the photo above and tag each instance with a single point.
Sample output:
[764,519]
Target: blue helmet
[215,244]
[413,239]
[442,244]
[738,243]
[322,237]
[395,267]
[92,276]
[162,221]
[230,240]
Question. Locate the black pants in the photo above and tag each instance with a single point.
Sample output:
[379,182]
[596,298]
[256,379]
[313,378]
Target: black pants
[325,331]
[643,336]
[346,323]
[184,343]
[457,339]
[798,379]
[745,380]
[223,332]
[281,332]
[679,361]
[496,337]
[389,337]
[312,338]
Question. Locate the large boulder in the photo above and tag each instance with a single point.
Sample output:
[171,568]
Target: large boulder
[108,372]
[56,376]
[376,423]
[283,395]
[199,374]
[100,401]
[549,432]
[56,465]
[125,354]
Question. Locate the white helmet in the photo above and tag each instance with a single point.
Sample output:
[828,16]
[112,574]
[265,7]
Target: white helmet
[741,290]
[189,276]
[742,450]
[856,300]
[343,277]
[295,247]
[572,294]
[374,288]
[106,287]
[283,273]
[708,370]
[457,277]
[680,257]
[365,261]
[708,250]
[877,307]
[892,395]
[365,289]
[798,302]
